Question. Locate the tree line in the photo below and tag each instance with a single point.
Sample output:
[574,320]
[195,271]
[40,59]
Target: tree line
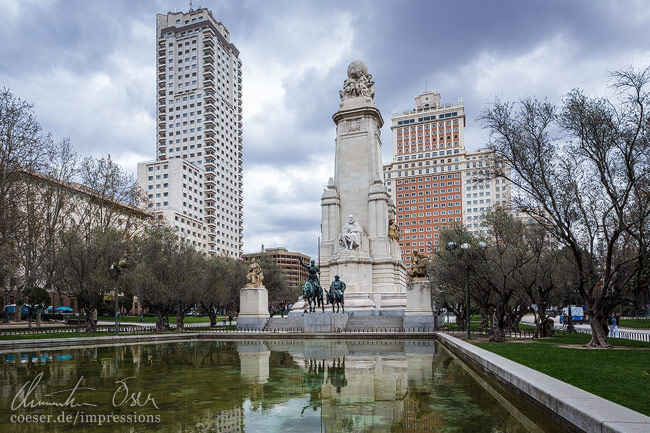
[580,170]
[77,226]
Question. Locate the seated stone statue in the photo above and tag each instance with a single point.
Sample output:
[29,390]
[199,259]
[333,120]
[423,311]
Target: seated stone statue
[419,264]
[350,237]
[255,275]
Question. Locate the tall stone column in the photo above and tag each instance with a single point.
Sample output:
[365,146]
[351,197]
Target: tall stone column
[356,206]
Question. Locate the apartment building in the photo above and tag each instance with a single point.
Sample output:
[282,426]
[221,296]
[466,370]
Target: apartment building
[199,122]
[287,261]
[179,202]
[433,181]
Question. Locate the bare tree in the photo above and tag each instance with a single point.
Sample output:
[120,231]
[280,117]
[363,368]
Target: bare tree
[110,191]
[23,146]
[579,171]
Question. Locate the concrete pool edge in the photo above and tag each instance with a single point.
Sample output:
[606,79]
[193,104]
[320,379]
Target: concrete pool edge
[54,343]
[586,411]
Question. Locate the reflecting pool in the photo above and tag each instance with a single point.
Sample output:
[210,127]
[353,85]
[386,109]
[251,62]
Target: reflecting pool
[255,386]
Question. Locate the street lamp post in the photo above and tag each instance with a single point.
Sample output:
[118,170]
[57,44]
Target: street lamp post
[5,289]
[117,268]
[464,247]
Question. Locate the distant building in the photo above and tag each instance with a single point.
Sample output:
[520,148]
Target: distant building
[175,191]
[287,261]
[199,125]
[433,181]
[77,206]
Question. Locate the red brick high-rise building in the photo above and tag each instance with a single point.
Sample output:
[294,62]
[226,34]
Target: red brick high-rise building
[434,182]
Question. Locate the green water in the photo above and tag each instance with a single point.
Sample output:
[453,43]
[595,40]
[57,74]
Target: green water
[253,386]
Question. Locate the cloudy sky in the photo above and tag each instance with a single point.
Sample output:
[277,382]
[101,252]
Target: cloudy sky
[89,69]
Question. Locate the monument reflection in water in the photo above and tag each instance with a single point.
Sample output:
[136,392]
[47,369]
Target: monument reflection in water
[269,386]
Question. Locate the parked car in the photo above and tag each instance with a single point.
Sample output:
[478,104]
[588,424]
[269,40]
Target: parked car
[577,313]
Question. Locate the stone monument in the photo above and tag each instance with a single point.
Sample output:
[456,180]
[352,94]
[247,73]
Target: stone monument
[419,308]
[357,208]
[253,300]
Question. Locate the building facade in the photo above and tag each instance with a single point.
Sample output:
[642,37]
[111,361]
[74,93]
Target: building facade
[287,261]
[65,205]
[199,121]
[175,193]
[433,181]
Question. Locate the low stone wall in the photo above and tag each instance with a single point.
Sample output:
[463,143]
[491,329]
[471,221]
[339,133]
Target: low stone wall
[586,411]
[8,346]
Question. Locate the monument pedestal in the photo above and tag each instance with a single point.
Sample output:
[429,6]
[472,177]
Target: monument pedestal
[253,308]
[419,310]
[324,322]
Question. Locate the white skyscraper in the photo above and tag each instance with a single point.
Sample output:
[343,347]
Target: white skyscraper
[199,116]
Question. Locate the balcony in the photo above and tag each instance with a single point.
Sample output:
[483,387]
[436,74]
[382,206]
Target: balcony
[162,92]
[208,50]
[209,98]
[208,75]
[208,59]
[208,32]
[209,42]
[209,139]
[162,68]
[162,60]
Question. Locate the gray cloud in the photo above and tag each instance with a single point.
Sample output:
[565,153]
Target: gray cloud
[88,66]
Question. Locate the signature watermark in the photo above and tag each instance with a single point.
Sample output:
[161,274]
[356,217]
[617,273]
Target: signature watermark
[28,398]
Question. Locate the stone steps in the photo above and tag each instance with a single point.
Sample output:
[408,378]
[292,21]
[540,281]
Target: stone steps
[284,324]
[359,323]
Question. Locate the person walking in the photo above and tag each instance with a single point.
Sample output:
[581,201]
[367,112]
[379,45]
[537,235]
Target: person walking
[613,325]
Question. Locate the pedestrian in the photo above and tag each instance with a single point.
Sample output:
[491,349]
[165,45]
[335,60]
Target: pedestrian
[565,320]
[230,319]
[224,320]
[618,324]
[613,325]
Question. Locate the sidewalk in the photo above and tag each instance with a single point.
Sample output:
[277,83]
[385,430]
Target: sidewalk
[529,319]
[25,324]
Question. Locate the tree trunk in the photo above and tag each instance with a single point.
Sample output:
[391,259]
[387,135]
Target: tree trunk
[484,320]
[90,323]
[29,319]
[498,325]
[599,331]
[180,322]
[38,318]
[160,325]
[460,320]
[212,314]
[543,324]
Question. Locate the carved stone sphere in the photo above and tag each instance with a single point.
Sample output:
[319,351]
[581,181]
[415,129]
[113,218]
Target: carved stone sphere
[355,67]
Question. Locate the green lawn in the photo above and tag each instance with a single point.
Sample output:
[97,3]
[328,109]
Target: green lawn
[172,319]
[622,376]
[635,323]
